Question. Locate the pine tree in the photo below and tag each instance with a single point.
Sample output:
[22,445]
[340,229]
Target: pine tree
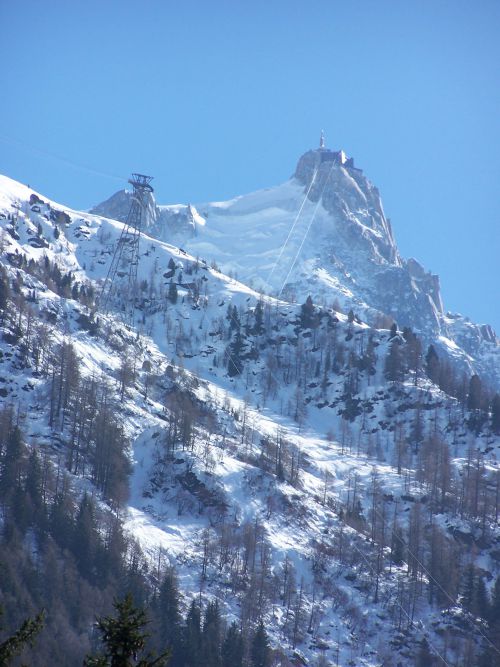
[4,292]
[191,645]
[494,625]
[61,520]
[258,319]
[34,477]
[424,656]
[308,317]
[23,637]
[397,546]
[172,292]
[432,365]
[495,414]
[166,606]
[234,319]
[86,538]
[394,363]
[124,638]
[235,363]
[211,639]
[474,397]
[10,463]
[260,647]
[481,601]
[232,648]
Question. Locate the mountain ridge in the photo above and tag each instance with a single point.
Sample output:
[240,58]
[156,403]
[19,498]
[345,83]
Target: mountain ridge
[352,261]
[289,460]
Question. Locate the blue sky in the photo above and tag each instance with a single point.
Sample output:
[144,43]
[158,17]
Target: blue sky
[220,98]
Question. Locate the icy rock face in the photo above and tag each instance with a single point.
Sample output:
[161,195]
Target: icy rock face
[361,239]
[347,193]
[481,344]
[164,222]
[116,207]
[340,247]
[176,222]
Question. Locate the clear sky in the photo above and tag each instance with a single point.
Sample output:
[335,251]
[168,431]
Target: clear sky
[216,98]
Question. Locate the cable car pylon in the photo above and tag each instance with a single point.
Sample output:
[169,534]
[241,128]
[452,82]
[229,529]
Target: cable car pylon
[122,271]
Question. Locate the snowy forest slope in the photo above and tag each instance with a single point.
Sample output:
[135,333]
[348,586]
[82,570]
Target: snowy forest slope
[299,457]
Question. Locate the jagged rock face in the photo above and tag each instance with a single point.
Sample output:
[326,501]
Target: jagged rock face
[348,253]
[361,240]
[167,223]
[347,193]
[116,207]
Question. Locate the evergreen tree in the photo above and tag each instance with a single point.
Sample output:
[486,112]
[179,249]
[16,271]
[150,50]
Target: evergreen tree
[166,606]
[432,365]
[211,637]
[4,292]
[235,363]
[23,637]
[398,551]
[495,414]
[61,520]
[494,615]
[232,648]
[475,394]
[424,656]
[124,639]
[86,538]
[258,319]
[10,462]
[481,601]
[191,645]
[172,292]
[308,317]
[494,626]
[260,647]
[394,363]
[33,483]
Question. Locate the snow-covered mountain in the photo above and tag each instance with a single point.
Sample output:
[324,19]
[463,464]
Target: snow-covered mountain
[311,467]
[324,233]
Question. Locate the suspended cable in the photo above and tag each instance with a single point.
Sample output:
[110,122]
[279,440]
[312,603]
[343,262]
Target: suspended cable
[410,620]
[431,578]
[293,226]
[307,231]
[53,156]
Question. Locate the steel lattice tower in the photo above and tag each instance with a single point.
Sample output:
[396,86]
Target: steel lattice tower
[125,259]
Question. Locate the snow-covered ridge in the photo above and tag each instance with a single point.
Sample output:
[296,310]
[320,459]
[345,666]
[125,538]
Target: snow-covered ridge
[324,233]
[296,453]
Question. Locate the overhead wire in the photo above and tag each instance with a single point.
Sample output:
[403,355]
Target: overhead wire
[436,582]
[400,606]
[71,163]
[307,231]
[293,226]
[409,551]
[91,170]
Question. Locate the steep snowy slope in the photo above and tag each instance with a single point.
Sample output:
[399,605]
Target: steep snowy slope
[284,456]
[324,233]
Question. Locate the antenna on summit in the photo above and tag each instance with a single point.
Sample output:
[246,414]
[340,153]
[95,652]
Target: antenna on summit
[322,139]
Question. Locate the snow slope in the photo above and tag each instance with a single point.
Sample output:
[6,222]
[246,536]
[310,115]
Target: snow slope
[186,344]
[323,233]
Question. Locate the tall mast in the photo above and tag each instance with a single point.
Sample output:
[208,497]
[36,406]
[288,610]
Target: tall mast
[125,259]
